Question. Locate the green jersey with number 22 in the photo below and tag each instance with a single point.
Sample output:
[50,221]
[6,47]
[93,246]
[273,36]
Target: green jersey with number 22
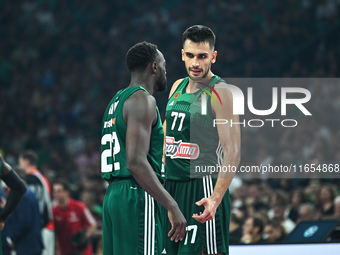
[113,155]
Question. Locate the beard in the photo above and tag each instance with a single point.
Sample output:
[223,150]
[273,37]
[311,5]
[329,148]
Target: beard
[161,84]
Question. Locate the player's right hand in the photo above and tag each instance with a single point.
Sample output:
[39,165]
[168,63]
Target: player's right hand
[178,224]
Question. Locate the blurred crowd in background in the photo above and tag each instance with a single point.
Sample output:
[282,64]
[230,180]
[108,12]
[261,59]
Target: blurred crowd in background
[62,61]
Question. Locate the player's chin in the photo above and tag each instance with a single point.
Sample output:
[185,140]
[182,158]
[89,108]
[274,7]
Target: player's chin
[196,77]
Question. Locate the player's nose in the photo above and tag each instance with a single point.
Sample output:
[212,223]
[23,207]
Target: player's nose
[195,62]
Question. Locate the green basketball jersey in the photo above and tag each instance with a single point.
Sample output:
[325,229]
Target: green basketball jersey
[113,149]
[191,139]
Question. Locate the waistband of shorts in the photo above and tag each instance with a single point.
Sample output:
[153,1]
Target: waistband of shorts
[128,179]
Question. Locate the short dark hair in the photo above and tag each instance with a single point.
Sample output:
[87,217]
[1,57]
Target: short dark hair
[234,218]
[257,222]
[199,34]
[63,183]
[31,156]
[140,55]
[274,224]
[330,188]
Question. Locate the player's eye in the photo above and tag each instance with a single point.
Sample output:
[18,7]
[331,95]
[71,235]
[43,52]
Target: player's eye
[189,55]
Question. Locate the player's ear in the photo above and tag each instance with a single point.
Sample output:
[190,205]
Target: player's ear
[214,55]
[182,54]
[154,67]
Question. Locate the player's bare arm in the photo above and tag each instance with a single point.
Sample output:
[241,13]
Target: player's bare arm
[230,138]
[140,115]
[174,87]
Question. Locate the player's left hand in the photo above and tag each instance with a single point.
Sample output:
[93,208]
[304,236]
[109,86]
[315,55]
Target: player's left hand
[210,207]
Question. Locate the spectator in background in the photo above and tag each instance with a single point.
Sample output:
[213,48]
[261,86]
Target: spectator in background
[22,232]
[254,199]
[296,199]
[312,190]
[89,199]
[252,231]
[235,226]
[307,212]
[40,186]
[274,232]
[74,223]
[277,196]
[239,196]
[89,156]
[18,189]
[326,197]
[279,215]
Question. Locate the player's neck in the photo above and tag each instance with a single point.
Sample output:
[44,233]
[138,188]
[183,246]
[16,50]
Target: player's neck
[30,169]
[63,203]
[144,80]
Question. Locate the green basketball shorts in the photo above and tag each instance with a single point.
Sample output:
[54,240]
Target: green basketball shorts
[212,236]
[131,220]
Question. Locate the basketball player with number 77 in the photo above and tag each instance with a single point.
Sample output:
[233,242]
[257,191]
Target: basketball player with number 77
[193,141]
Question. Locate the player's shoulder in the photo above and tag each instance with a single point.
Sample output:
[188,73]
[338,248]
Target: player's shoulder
[141,100]
[222,89]
[30,194]
[175,86]
[78,205]
[33,179]
[143,95]
[56,209]
[177,82]
[27,199]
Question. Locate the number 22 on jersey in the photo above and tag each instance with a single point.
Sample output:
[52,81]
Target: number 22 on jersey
[111,152]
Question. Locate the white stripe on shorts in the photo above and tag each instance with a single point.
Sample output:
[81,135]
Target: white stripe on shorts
[153,225]
[145,224]
[210,225]
[207,223]
[149,225]
[213,221]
